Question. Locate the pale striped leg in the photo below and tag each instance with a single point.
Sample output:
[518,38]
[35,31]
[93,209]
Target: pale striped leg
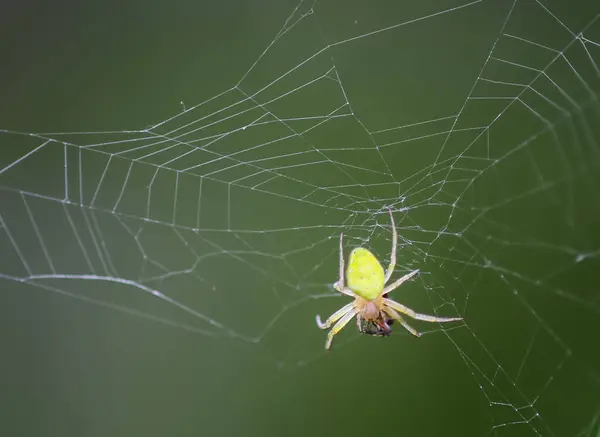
[347,292]
[398,282]
[394,315]
[339,326]
[335,316]
[339,285]
[390,269]
[405,310]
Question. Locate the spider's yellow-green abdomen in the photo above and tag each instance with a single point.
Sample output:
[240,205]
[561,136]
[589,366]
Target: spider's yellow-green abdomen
[365,275]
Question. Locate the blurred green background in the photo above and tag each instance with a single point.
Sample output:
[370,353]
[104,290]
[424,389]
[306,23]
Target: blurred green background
[211,154]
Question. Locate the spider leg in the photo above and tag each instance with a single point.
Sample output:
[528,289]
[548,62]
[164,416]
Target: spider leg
[359,322]
[405,310]
[339,326]
[335,316]
[347,292]
[398,282]
[395,316]
[390,269]
[339,285]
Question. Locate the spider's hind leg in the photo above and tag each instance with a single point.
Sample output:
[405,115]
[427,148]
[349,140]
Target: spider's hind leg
[403,322]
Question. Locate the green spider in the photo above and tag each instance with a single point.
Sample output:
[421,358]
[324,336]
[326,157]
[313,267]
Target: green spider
[366,284]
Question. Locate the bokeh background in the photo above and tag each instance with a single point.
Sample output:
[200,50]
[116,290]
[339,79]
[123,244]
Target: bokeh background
[174,178]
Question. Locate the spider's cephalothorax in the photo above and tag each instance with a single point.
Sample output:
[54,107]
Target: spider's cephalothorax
[366,281]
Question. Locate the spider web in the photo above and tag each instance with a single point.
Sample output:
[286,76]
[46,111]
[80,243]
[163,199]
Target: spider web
[222,220]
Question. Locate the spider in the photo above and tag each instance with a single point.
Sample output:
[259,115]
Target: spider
[367,285]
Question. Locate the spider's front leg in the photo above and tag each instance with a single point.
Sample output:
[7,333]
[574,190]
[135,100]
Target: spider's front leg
[339,285]
[398,282]
[339,326]
[334,317]
[390,269]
